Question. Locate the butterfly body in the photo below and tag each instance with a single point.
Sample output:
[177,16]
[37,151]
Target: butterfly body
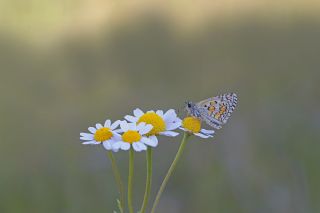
[214,111]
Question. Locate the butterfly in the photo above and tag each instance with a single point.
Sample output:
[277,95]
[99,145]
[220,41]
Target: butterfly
[214,111]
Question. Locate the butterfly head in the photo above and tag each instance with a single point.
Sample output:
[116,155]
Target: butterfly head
[189,107]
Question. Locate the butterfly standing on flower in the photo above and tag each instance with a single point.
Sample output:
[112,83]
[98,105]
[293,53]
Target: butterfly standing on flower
[214,111]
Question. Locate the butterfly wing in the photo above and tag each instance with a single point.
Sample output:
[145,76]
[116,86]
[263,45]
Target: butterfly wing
[217,110]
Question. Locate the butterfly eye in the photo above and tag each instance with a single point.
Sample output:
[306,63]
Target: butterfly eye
[189,105]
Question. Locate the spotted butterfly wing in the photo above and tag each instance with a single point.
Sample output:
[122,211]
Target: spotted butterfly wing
[217,110]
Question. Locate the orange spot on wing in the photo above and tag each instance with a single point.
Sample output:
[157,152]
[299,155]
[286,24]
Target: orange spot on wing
[217,116]
[212,108]
[223,109]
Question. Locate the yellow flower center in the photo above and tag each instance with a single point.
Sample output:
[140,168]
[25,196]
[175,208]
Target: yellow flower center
[192,124]
[155,120]
[102,134]
[131,136]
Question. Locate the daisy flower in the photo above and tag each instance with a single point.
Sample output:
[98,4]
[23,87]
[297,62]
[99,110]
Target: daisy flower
[105,134]
[193,126]
[134,135]
[163,123]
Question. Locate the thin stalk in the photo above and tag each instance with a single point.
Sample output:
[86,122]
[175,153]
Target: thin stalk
[148,181]
[117,177]
[130,179]
[171,170]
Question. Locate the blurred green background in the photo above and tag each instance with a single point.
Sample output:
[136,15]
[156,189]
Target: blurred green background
[65,65]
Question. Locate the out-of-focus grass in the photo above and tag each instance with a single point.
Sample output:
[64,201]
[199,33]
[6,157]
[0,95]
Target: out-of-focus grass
[264,160]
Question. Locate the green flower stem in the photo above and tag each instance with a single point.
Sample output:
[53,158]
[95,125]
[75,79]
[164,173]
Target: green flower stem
[130,179]
[171,170]
[148,181]
[117,177]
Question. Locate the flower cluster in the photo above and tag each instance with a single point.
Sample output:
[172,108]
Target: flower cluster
[141,130]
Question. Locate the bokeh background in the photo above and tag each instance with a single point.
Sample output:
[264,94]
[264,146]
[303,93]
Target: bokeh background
[65,65]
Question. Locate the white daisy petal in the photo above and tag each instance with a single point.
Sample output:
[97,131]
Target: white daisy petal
[87,143]
[170,115]
[131,119]
[124,126]
[173,126]
[138,112]
[132,126]
[207,132]
[87,138]
[107,123]
[92,130]
[86,135]
[115,125]
[159,112]
[149,142]
[136,147]
[99,126]
[107,145]
[116,145]
[201,135]
[141,125]
[125,146]
[116,137]
[169,133]
[154,138]
[142,146]
[118,131]
[114,150]
[147,128]
[177,120]
[90,142]
[170,111]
